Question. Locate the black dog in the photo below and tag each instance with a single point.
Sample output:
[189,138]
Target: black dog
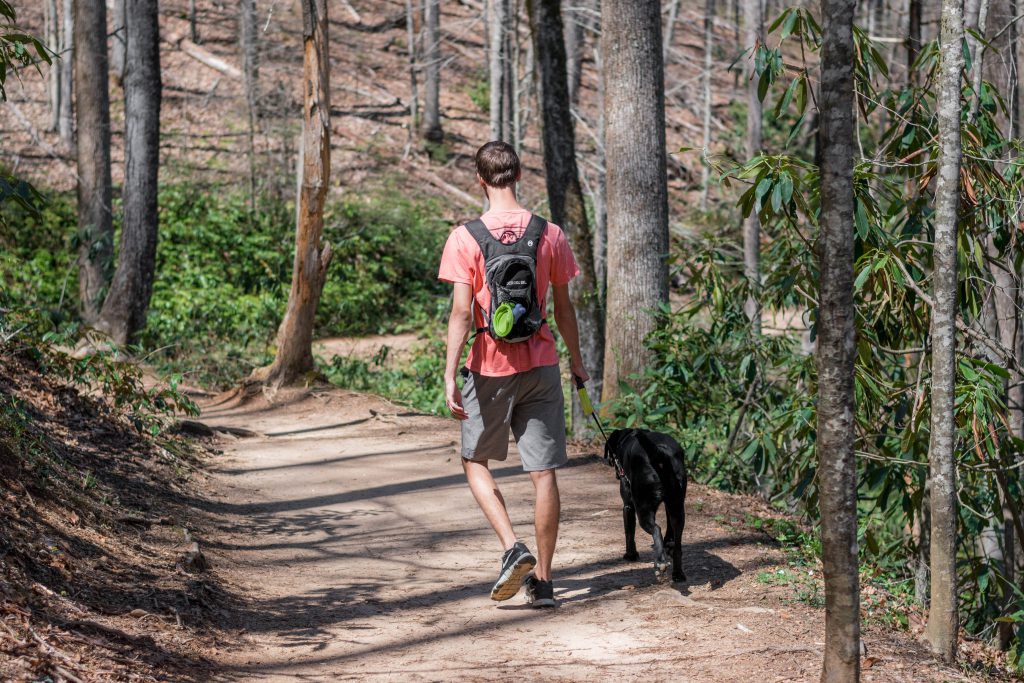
[652,472]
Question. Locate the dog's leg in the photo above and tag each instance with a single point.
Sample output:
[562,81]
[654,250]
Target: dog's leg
[676,522]
[629,523]
[647,521]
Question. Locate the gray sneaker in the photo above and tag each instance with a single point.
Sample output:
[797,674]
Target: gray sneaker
[516,563]
[539,593]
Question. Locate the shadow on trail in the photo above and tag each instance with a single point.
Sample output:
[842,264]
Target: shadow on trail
[230,471]
[383,491]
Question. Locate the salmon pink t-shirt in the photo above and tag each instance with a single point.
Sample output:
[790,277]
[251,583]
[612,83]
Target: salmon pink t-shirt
[463,262]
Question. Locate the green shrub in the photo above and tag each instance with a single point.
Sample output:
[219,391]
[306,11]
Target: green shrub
[223,274]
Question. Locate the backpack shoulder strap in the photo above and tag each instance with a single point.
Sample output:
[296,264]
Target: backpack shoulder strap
[533,233]
[482,235]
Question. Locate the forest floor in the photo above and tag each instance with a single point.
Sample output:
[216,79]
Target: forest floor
[346,523]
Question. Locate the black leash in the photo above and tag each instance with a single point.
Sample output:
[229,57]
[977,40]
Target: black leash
[588,407]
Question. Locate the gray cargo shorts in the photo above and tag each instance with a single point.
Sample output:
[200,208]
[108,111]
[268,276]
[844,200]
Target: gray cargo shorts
[530,403]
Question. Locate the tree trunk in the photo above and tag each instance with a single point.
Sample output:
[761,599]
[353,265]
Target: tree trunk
[575,39]
[670,27]
[836,349]
[95,224]
[410,36]
[600,189]
[565,197]
[52,19]
[943,618]
[65,122]
[124,310]
[495,61]
[709,37]
[637,200]
[193,30]
[913,36]
[510,67]
[247,37]
[294,359]
[753,19]
[118,42]
[432,55]
[978,57]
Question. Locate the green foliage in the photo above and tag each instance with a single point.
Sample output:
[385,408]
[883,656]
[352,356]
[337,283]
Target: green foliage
[418,384]
[479,92]
[743,405]
[223,274]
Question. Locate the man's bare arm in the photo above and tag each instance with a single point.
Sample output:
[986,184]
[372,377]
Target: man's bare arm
[460,324]
[565,318]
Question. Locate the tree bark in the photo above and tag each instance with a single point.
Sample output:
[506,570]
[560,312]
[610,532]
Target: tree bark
[565,196]
[753,20]
[913,37]
[118,42]
[600,189]
[637,199]
[495,61]
[432,130]
[836,349]
[52,30]
[124,310]
[510,68]
[943,617]
[410,36]
[65,122]
[709,37]
[575,39]
[670,27]
[294,360]
[95,224]
[977,57]
[247,37]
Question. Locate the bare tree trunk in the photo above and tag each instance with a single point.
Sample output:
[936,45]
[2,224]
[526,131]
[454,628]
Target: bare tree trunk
[637,196]
[414,104]
[510,67]
[709,37]
[193,30]
[670,27]
[95,223]
[943,617]
[575,39]
[913,35]
[124,310]
[432,55]
[836,349]
[52,19]
[565,197]
[978,57]
[65,123]
[118,42]
[600,189]
[294,359]
[495,60]
[247,35]
[753,19]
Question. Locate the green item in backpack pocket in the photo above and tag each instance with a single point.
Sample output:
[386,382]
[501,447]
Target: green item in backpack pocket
[503,320]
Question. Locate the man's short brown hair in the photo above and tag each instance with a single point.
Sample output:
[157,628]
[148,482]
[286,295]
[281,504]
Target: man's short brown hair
[498,164]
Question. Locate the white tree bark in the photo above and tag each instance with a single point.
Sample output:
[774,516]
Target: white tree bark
[753,20]
[943,617]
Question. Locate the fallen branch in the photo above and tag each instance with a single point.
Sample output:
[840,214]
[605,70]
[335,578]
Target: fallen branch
[434,180]
[204,56]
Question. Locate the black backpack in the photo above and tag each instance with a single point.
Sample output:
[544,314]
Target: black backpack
[510,271]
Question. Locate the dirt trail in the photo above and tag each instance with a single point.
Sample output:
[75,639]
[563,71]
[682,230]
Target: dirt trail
[348,526]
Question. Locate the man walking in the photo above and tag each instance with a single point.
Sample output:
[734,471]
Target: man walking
[501,266]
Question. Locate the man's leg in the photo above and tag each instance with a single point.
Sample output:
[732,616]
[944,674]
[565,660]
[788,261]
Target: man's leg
[490,500]
[546,513]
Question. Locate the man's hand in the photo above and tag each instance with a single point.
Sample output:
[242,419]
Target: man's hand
[579,371]
[453,397]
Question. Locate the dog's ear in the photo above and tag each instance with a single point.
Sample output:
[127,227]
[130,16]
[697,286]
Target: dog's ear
[608,451]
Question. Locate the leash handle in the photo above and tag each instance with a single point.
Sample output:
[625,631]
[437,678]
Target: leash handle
[587,406]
